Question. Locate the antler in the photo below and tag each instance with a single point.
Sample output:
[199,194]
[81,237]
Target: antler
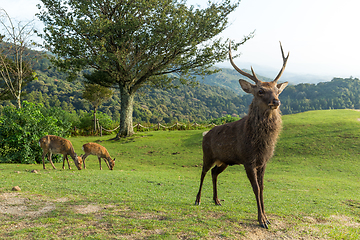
[284,64]
[252,77]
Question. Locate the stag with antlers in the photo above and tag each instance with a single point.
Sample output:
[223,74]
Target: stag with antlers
[249,141]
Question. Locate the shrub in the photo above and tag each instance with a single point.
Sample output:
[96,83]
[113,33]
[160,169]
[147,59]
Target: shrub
[65,120]
[20,131]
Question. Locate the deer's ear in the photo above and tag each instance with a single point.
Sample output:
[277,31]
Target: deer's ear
[246,86]
[281,86]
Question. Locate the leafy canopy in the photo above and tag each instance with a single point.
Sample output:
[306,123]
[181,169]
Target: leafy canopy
[133,42]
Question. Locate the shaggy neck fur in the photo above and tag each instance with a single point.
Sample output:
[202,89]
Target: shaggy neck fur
[263,128]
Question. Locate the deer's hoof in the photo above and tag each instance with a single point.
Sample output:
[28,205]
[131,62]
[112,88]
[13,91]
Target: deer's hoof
[217,202]
[264,225]
[197,203]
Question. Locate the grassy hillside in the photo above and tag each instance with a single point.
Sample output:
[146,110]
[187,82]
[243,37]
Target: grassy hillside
[311,189]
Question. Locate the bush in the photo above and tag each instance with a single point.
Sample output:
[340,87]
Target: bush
[20,131]
[64,120]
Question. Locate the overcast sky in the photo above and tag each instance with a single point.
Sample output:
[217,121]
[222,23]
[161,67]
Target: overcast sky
[323,36]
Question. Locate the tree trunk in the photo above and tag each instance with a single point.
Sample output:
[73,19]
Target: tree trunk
[94,120]
[126,115]
[18,101]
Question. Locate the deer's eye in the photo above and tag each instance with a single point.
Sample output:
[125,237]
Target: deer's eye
[261,92]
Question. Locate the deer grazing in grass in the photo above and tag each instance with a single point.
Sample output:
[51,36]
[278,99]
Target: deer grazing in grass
[53,144]
[100,152]
[249,141]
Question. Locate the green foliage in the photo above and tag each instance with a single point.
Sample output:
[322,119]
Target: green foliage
[339,93]
[184,103]
[136,41]
[63,119]
[223,120]
[96,94]
[20,131]
[86,123]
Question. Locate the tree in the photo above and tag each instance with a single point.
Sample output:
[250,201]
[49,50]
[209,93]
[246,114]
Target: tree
[14,71]
[132,44]
[96,95]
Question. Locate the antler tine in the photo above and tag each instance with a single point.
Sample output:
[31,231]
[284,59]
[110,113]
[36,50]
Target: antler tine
[252,77]
[284,63]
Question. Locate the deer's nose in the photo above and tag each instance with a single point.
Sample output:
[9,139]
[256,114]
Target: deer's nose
[276,102]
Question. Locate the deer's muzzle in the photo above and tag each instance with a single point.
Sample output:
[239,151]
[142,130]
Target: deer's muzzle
[274,104]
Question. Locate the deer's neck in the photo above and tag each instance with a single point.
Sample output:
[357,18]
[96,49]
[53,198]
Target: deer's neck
[72,153]
[263,126]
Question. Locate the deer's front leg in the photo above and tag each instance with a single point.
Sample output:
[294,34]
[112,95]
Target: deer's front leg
[252,175]
[83,158]
[67,159]
[260,175]
[100,163]
[107,162]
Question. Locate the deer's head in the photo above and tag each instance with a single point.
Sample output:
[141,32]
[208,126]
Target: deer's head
[78,162]
[111,163]
[266,94]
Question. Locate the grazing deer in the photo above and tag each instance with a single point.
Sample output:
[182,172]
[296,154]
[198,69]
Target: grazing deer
[100,152]
[53,144]
[249,141]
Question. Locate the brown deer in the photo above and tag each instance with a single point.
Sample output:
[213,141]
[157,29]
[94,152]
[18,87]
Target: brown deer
[249,141]
[53,144]
[100,152]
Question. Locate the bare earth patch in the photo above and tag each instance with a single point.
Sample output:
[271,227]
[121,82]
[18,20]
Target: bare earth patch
[22,205]
[15,204]
[85,209]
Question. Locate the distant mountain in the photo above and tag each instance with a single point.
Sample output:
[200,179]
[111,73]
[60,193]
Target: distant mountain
[229,79]
[292,78]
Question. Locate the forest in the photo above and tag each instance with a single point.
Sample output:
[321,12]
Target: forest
[213,97]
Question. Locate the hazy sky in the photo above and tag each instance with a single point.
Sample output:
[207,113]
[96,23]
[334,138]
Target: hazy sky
[323,36]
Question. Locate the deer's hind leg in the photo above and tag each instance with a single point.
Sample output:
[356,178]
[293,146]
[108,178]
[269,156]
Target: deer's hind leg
[50,160]
[206,167]
[65,157]
[214,173]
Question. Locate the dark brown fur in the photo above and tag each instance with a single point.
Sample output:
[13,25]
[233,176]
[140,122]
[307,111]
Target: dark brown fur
[249,141]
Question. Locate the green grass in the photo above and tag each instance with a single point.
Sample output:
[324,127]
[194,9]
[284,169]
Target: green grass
[311,189]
